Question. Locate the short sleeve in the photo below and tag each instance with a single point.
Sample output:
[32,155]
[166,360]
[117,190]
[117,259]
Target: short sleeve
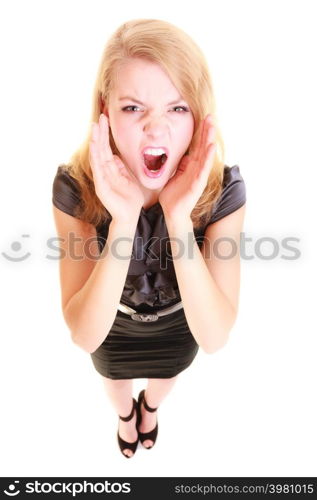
[233,195]
[66,191]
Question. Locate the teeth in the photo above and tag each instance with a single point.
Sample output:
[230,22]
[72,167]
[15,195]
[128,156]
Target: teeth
[154,152]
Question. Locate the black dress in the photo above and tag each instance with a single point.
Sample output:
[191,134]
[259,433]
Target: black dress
[162,348]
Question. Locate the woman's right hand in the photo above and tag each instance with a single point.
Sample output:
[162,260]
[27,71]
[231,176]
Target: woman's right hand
[115,186]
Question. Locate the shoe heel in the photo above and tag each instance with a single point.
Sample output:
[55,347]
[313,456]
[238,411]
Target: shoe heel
[151,435]
[123,445]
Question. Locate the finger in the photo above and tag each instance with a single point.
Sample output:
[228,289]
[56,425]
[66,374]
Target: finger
[105,152]
[95,155]
[93,146]
[118,162]
[194,150]
[94,142]
[105,149]
[210,138]
[121,168]
[205,136]
[201,139]
[120,171]
[209,161]
[94,160]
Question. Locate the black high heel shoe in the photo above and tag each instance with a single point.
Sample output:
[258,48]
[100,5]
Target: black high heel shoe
[143,436]
[124,444]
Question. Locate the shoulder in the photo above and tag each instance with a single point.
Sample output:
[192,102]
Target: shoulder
[65,190]
[233,194]
[64,179]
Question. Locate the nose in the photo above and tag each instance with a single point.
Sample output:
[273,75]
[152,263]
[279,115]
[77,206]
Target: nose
[155,126]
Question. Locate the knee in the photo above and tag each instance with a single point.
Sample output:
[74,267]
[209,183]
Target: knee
[117,383]
[162,381]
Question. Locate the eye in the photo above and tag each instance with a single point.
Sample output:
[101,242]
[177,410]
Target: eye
[127,108]
[184,108]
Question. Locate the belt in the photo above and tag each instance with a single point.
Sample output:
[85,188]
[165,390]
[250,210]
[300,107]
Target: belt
[149,316]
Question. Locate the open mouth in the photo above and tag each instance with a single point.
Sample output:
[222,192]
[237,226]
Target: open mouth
[154,161]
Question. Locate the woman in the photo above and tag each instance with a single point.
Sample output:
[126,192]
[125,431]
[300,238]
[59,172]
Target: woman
[138,210]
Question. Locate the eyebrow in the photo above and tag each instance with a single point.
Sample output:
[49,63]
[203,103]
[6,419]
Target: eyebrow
[140,102]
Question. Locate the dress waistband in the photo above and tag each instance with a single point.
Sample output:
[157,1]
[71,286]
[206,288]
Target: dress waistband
[153,316]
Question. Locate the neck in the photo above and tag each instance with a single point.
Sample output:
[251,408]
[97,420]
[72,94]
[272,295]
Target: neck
[150,197]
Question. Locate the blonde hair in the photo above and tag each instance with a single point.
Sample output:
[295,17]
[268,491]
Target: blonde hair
[167,45]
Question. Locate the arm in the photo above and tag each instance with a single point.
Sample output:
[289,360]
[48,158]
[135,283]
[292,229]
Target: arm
[209,285]
[92,311]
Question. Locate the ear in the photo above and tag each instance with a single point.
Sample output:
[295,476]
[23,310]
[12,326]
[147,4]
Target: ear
[102,106]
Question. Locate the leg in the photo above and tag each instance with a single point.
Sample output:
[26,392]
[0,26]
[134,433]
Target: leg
[120,395]
[155,392]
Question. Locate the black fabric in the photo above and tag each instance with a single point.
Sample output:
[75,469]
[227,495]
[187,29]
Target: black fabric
[66,191]
[233,194]
[165,347]
[151,280]
[158,349]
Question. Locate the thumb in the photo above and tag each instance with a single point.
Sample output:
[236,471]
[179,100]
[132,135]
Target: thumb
[118,162]
[123,170]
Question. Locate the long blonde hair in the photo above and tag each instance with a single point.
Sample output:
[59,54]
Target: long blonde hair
[167,45]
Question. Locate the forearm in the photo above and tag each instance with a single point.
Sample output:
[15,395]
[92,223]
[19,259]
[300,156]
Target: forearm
[209,314]
[92,310]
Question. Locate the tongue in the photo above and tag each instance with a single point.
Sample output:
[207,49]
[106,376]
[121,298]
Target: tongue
[153,162]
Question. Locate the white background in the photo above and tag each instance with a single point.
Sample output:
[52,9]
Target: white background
[247,410]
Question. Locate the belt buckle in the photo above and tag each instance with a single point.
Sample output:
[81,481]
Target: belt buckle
[144,317]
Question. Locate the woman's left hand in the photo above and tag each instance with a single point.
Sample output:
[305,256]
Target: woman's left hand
[181,193]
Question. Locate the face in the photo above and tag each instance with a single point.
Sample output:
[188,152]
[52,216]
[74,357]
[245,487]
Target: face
[146,110]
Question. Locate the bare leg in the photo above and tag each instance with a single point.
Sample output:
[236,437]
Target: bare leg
[155,392]
[120,394]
